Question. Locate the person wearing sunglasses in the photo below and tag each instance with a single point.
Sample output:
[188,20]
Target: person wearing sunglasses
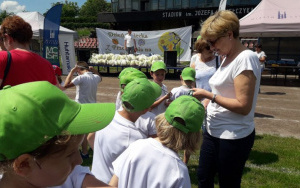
[230,128]
[205,63]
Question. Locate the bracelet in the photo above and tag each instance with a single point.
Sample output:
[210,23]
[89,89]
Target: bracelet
[213,100]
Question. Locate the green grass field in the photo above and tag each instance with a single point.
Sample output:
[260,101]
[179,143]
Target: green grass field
[274,162]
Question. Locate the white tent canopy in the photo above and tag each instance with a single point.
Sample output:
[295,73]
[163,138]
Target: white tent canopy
[36,20]
[272,18]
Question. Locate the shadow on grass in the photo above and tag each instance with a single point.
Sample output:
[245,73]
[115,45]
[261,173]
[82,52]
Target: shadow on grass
[193,175]
[258,137]
[273,93]
[259,158]
[259,115]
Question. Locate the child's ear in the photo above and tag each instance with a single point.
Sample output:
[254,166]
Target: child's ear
[181,77]
[23,165]
[151,74]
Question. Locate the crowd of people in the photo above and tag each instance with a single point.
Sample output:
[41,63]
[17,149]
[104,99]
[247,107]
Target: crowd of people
[136,140]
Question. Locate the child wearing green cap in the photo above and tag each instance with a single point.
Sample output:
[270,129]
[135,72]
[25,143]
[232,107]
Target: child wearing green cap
[111,141]
[155,162]
[41,131]
[187,79]
[158,73]
[146,122]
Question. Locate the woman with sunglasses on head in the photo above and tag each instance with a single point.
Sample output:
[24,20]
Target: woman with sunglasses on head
[205,63]
[230,128]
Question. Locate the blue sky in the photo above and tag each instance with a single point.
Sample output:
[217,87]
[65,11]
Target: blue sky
[32,5]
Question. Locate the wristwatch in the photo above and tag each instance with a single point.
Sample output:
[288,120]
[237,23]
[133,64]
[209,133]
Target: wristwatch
[213,100]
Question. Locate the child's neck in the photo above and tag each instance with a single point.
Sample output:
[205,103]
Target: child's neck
[131,116]
[159,83]
[185,84]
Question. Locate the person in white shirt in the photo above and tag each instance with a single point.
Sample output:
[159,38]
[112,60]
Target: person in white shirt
[110,142]
[154,162]
[129,43]
[187,79]
[42,148]
[230,128]
[86,89]
[261,56]
[146,122]
[158,73]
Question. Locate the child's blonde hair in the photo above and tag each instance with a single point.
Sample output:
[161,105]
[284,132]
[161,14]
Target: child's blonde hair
[175,139]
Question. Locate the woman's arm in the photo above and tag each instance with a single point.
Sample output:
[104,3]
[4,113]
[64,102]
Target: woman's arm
[244,85]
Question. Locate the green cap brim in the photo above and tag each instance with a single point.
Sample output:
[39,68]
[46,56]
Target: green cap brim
[188,78]
[92,117]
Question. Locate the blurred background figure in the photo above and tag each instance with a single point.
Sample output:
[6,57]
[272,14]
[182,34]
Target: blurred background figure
[26,66]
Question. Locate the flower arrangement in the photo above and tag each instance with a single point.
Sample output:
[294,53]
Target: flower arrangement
[124,60]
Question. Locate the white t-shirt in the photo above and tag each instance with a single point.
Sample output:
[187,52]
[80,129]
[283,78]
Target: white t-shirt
[75,179]
[178,91]
[148,163]
[145,123]
[161,108]
[110,142]
[86,87]
[260,55]
[129,40]
[204,71]
[225,124]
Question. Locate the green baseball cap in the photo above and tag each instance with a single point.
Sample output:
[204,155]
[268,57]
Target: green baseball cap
[34,112]
[127,70]
[188,73]
[189,109]
[129,76]
[140,94]
[199,37]
[157,65]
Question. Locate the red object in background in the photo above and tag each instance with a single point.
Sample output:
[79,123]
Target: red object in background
[57,70]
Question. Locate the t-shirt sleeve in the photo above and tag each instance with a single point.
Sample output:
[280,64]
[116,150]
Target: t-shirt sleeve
[151,125]
[173,91]
[193,60]
[76,81]
[248,61]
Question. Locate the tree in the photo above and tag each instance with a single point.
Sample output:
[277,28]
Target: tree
[69,9]
[94,7]
[3,15]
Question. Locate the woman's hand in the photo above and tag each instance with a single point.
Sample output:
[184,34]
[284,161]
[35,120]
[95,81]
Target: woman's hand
[205,103]
[201,93]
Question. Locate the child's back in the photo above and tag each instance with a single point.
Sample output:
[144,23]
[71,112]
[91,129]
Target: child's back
[187,78]
[110,142]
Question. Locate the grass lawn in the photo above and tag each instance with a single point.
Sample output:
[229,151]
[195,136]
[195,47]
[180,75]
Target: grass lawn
[274,162]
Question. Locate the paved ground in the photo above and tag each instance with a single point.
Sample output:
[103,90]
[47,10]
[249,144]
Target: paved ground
[277,110]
